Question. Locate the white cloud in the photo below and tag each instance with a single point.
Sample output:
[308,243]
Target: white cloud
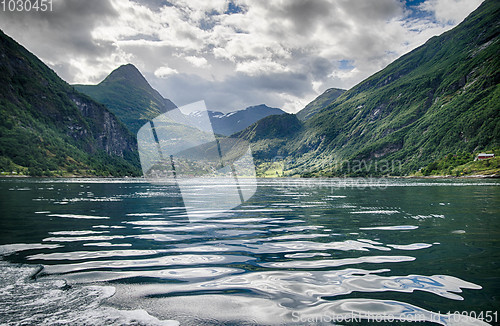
[203,6]
[450,11]
[278,52]
[197,61]
[164,72]
[260,67]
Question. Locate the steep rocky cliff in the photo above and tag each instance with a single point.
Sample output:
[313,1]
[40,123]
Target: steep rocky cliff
[47,127]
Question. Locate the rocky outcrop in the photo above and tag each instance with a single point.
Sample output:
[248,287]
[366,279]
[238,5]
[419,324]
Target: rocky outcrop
[109,133]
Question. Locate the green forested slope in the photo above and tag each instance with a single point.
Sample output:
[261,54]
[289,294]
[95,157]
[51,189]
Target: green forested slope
[48,128]
[440,98]
[319,103]
[269,136]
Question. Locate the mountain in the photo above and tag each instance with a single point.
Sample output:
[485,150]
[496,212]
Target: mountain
[440,98]
[130,97]
[47,127]
[319,103]
[127,94]
[269,136]
[229,123]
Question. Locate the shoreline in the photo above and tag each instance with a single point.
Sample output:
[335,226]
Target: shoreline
[472,176]
[66,177]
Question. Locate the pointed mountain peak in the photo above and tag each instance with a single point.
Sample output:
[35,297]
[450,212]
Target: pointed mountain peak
[129,96]
[127,74]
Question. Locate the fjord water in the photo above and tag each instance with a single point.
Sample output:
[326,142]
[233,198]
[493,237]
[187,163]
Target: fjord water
[86,251]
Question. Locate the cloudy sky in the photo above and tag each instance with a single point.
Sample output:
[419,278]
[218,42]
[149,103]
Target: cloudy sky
[232,53]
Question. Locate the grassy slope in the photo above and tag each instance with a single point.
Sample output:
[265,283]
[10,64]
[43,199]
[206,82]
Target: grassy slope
[441,98]
[268,137]
[462,164]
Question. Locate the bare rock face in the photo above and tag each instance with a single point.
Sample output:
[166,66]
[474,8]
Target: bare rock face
[109,133]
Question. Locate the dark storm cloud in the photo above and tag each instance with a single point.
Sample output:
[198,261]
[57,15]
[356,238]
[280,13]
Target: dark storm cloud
[63,33]
[305,14]
[319,67]
[372,10]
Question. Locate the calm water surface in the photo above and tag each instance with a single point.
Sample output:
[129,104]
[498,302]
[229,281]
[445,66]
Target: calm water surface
[104,252]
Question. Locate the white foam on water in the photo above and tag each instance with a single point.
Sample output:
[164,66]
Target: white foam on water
[50,302]
[345,206]
[243,220]
[87,238]
[92,199]
[164,261]
[107,244]
[184,274]
[261,210]
[108,227]
[175,208]
[77,232]
[162,237]
[15,247]
[149,222]
[82,255]
[313,264]
[413,246]
[423,217]
[298,236]
[371,241]
[89,217]
[392,228]
[191,227]
[384,212]
[307,255]
[268,246]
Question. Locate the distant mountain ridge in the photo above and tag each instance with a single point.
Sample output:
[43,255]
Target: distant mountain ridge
[229,123]
[47,127]
[127,94]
